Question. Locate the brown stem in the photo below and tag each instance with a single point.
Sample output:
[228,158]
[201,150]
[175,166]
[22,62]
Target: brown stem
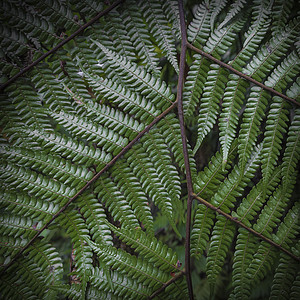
[233,70]
[53,50]
[169,282]
[185,149]
[123,151]
[218,210]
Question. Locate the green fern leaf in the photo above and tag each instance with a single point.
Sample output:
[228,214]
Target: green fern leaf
[194,86]
[209,180]
[203,222]
[154,15]
[235,8]
[128,101]
[123,286]
[116,202]
[199,28]
[256,198]
[245,248]
[280,14]
[109,140]
[67,147]
[131,187]
[212,93]
[291,154]
[36,184]
[107,116]
[95,217]
[132,266]
[235,183]
[76,228]
[27,206]
[54,166]
[150,248]
[233,99]
[284,277]
[137,78]
[222,236]
[139,36]
[266,57]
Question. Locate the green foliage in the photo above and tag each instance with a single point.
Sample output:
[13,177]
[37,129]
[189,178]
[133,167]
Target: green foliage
[85,150]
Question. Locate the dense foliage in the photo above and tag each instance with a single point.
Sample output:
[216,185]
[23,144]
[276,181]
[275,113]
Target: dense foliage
[93,171]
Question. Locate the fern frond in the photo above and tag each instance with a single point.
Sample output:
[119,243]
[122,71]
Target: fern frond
[115,201]
[292,154]
[109,117]
[222,38]
[194,86]
[139,36]
[28,105]
[11,289]
[144,169]
[209,108]
[153,250]
[209,180]
[118,39]
[154,15]
[289,228]
[256,198]
[36,184]
[123,286]
[87,9]
[94,215]
[295,290]
[132,266]
[171,11]
[266,58]
[138,79]
[222,236]
[17,226]
[131,187]
[160,155]
[199,28]
[54,166]
[67,147]
[280,14]
[47,259]
[252,117]
[27,206]
[203,222]
[264,257]
[235,9]
[36,28]
[40,268]
[108,139]
[234,96]
[275,128]
[273,210]
[13,41]
[253,37]
[76,228]
[48,88]
[235,183]
[245,248]
[285,274]
[57,13]
[170,131]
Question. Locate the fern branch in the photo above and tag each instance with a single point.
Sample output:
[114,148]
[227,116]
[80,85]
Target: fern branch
[233,70]
[53,50]
[108,165]
[233,219]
